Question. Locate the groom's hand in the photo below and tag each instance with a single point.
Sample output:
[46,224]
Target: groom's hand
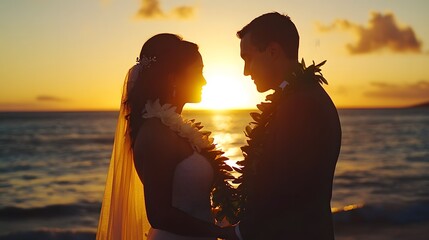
[229,233]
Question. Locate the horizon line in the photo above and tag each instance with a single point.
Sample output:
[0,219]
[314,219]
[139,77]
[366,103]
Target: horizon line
[194,109]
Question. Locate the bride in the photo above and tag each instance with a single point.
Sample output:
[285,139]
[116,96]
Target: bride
[155,148]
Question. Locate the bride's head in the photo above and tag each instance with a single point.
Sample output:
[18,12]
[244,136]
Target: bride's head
[168,69]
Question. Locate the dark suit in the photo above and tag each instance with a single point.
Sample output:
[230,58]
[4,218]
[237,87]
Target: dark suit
[290,195]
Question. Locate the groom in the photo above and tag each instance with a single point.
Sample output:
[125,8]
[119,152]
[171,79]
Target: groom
[290,189]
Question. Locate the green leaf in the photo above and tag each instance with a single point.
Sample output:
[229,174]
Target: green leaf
[248,130]
[220,157]
[320,64]
[269,97]
[227,167]
[263,106]
[255,116]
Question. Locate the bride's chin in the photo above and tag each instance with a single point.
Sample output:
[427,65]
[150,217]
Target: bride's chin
[194,100]
[198,98]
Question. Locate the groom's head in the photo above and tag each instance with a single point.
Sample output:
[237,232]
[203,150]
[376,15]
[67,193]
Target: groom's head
[269,47]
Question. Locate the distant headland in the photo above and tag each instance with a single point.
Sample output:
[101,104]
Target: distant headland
[420,105]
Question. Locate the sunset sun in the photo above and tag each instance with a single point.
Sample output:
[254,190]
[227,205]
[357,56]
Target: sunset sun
[223,92]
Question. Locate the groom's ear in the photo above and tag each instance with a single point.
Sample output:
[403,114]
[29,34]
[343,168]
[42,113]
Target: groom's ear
[274,49]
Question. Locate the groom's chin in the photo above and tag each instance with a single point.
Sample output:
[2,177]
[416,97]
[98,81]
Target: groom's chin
[261,89]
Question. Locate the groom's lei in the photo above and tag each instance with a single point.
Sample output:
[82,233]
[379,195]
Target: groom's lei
[257,130]
[223,194]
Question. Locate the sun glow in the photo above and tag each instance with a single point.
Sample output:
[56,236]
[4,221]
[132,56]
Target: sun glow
[224,92]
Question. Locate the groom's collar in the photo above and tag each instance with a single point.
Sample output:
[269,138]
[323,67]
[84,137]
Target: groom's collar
[283,84]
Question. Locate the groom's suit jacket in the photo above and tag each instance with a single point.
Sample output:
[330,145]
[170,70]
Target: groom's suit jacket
[289,197]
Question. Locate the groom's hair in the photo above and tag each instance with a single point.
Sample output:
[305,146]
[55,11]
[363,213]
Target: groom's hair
[273,27]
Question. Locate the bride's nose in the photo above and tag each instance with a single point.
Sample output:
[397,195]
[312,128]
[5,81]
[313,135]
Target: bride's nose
[246,70]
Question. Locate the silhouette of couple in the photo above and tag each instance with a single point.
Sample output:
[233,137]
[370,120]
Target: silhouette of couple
[166,176]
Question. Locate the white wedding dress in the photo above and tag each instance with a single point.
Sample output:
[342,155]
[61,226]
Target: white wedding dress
[192,183]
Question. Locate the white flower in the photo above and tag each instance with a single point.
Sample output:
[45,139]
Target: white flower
[173,121]
[185,128]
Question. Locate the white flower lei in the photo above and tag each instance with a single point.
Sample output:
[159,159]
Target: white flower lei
[223,194]
[188,129]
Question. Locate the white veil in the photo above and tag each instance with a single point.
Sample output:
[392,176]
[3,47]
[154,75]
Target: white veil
[123,212]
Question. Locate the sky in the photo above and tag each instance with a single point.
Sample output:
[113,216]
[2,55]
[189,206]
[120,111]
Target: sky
[60,55]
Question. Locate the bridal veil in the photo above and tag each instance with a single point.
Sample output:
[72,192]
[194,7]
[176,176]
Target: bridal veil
[123,213]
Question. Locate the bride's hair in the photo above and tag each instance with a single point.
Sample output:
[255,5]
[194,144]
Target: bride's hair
[161,56]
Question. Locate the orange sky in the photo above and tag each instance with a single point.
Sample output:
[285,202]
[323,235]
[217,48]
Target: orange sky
[73,55]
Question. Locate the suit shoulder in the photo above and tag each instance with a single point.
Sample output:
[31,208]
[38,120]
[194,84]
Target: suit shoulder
[306,100]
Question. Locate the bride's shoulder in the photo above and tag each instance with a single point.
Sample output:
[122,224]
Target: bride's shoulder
[156,141]
[155,132]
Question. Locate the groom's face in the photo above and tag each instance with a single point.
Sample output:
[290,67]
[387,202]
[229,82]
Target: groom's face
[257,64]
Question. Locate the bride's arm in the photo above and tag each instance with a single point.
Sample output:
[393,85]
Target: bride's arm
[156,158]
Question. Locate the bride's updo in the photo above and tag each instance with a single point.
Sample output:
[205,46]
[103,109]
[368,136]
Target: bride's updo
[162,56]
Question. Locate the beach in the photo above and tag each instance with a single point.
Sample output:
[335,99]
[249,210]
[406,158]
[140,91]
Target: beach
[416,231]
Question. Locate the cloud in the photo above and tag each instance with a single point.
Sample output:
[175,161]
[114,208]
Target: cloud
[417,90]
[382,32]
[47,98]
[184,12]
[341,90]
[16,106]
[151,9]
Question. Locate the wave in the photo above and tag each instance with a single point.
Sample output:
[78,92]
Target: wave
[384,214]
[51,211]
[413,212]
[50,235]
[377,214]
[57,140]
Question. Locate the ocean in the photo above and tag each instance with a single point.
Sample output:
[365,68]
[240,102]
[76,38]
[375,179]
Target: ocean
[53,167]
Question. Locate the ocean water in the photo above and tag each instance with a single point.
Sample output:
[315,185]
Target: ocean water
[53,168]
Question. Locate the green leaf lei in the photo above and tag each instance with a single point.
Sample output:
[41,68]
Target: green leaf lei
[223,194]
[257,130]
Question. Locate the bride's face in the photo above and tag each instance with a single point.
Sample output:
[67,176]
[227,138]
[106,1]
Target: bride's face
[190,82]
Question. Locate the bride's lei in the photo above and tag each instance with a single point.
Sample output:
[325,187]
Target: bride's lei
[257,130]
[188,129]
[223,195]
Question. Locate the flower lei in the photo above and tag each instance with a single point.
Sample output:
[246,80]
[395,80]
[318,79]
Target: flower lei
[257,130]
[223,195]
